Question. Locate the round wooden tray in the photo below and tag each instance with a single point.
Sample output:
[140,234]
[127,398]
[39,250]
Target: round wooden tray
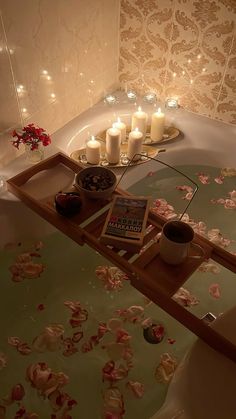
[170,133]
[147,151]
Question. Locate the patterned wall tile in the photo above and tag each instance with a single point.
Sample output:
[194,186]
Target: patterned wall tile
[198,64]
[145,33]
[226,110]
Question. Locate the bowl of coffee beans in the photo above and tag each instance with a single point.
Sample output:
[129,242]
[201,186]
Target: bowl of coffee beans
[96,182]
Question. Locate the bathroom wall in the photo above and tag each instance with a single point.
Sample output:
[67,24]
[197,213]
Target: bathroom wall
[57,59]
[184,49]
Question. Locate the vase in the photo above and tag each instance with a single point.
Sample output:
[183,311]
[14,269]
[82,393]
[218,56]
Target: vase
[36,155]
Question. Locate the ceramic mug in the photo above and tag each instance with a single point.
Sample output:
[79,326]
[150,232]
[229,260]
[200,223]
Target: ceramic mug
[175,241]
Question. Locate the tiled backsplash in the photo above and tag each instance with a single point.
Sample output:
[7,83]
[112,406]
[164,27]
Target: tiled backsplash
[57,58]
[184,49]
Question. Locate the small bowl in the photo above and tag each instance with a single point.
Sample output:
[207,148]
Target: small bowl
[68,203]
[96,182]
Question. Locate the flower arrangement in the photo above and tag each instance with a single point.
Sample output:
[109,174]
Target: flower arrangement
[31,135]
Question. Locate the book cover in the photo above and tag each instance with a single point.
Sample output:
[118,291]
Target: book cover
[126,222]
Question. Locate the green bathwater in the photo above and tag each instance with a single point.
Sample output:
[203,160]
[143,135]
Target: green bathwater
[70,275]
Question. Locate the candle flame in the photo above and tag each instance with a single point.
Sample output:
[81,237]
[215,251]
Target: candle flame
[93,138]
[139,109]
[159,110]
[118,119]
[136,129]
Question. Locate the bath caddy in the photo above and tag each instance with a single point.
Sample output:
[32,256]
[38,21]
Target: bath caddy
[37,187]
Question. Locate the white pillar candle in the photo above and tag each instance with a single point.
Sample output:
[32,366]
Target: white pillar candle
[135,144]
[139,120]
[122,127]
[157,125]
[93,151]
[113,137]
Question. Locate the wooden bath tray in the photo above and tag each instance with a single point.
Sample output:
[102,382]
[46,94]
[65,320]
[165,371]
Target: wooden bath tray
[37,187]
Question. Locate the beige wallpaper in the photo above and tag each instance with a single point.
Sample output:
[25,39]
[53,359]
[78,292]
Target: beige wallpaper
[57,58]
[184,49]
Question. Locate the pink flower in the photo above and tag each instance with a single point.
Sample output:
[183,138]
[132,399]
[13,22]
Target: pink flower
[31,135]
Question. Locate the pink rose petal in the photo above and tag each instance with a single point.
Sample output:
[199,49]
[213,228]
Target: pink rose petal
[136,388]
[214,291]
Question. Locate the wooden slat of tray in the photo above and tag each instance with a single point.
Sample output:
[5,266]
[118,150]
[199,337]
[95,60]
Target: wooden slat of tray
[169,278]
[142,272]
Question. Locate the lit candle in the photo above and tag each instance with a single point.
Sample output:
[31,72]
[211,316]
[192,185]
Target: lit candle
[93,150]
[113,139]
[157,125]
[139,120]
[135,144]
[122,127]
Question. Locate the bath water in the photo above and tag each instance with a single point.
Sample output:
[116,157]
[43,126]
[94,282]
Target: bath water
[69,274]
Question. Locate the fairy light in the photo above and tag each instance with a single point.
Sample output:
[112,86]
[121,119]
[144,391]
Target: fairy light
[199,56]
[53,95]
[44,72]
[204,69]
[189,60]
[191,81]
[20,88]
[183,72]
[174,75]
[24,110]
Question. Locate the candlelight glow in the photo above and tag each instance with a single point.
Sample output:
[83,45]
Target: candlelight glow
[139,109]
[136,129]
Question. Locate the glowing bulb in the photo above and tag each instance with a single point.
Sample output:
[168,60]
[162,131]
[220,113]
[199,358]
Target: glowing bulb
[81,74]
[183,72]
[45,72]
[20,88]
[189,61]
[199,56]
[204,69]
[24,110]
[91,81]
[49,78]
[53,95]
[174,74]
[191,81]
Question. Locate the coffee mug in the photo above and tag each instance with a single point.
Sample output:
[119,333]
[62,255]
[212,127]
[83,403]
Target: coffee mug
[175,241]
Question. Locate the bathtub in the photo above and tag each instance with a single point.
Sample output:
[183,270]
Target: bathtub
[204,141]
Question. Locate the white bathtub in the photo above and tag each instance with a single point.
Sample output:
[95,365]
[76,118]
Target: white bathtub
[205,142]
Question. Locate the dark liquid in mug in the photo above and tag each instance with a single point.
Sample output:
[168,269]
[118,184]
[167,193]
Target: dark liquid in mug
[178,232]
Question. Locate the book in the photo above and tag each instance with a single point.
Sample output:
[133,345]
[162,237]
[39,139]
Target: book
[125,224]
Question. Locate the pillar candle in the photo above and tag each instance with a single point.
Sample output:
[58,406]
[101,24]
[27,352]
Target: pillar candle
[122,127]
[113,137]
[93,150]
[134,144]
[139,120]
[157,125]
